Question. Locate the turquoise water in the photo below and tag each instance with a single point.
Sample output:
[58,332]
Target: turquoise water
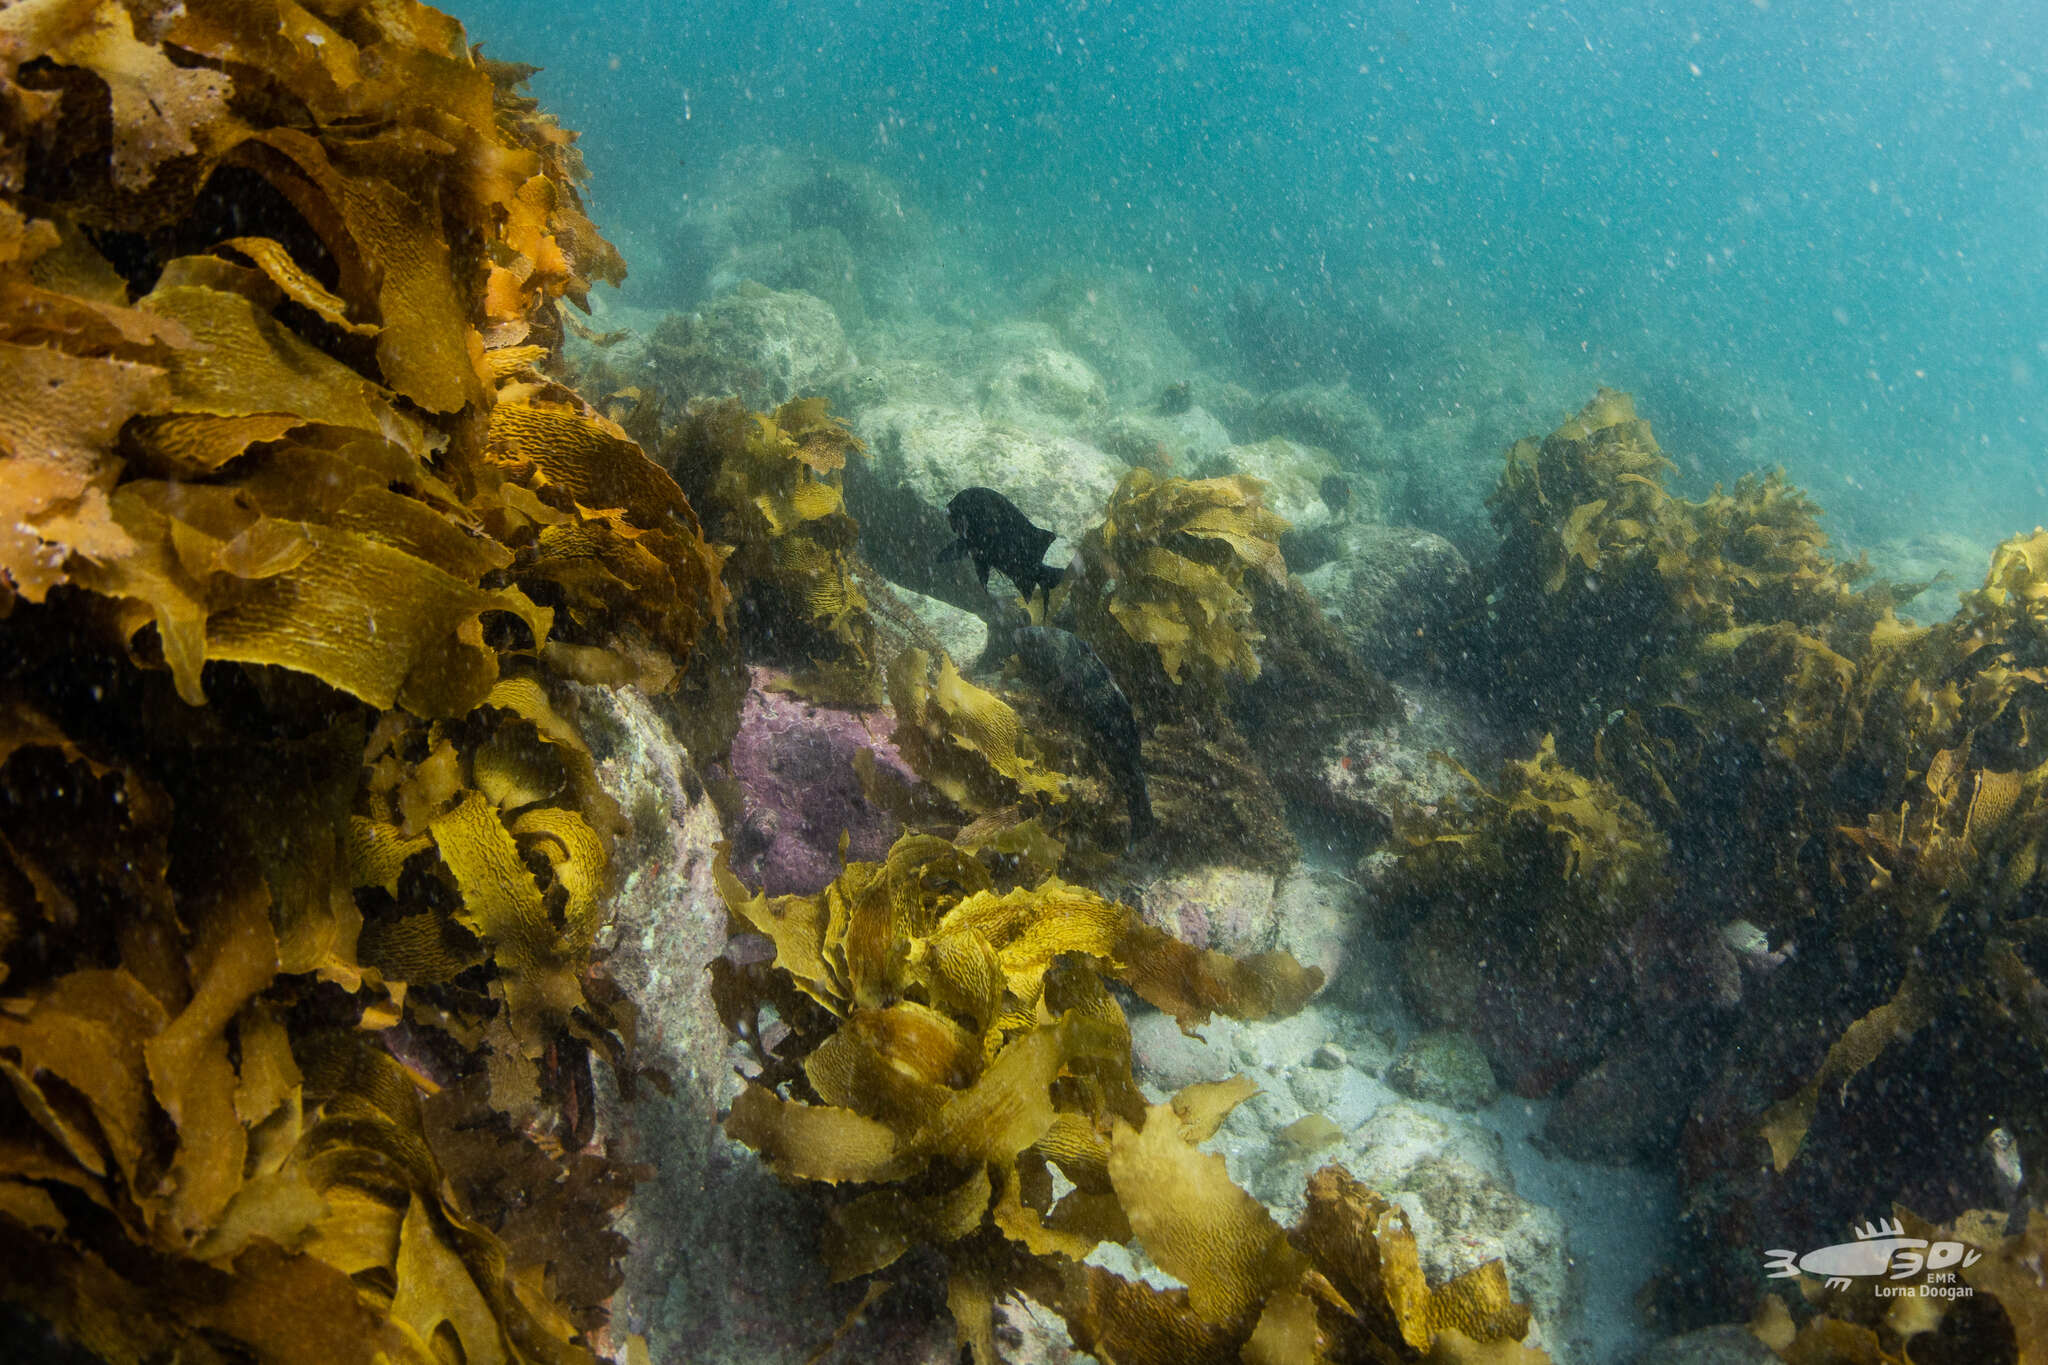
[1807,234]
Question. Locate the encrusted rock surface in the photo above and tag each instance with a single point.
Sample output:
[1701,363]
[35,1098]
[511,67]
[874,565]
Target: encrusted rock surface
[794,762]
[1390,590]
[724,1269]
[1444,1068]
[764,345]
[1367,775]
[1241,911]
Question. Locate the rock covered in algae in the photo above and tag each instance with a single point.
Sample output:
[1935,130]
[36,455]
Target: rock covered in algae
[1447,1068]
[760,345]
[1390,590]
[800,793]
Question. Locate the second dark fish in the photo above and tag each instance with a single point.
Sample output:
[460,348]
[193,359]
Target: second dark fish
[1075,680]
[990,530]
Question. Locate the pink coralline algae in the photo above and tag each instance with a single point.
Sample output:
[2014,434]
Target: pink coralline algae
[799,791]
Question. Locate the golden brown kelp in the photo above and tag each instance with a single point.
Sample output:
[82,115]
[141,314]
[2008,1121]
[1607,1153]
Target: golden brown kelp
[773,485]
[1705,656]
[1607,587]
[1546,864]
[952,1045]
[1161,594]
[298,540]
[967,742]
[1870,789]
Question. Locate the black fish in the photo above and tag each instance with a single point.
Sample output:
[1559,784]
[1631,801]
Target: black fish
[996,535]
[1075,680]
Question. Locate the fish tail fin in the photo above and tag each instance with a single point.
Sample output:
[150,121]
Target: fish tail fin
[1781,1264]
[1044,576]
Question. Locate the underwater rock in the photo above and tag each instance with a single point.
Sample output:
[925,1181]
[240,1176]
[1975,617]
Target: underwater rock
[1446,1068]
[1166,443]
[1332,417]
[1729,1344]
[794,763]
[1370,773]
[1105,317]
[816,261]
[1454,1181]
[763,204]
[701,1283]
[1389,590]
[1310,913]
[1948,562]
[761,345]
[907,363]
[1057,481]
[1444,466]
[1631,1106]
[1231,909]
[1318,920]
[1045,388]
[959,632]
[1537,1031]
[902,536]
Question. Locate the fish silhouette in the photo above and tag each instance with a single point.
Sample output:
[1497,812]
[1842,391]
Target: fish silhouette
[990,530]
[1074,679]
[1880,1248]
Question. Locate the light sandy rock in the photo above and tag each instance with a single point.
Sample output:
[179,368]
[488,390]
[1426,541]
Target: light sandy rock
[1105,317]
[762,345]
[1391,590]
[1169,443]
[1460,1195]
[1316,918]
[961,632]
[1046,387]
[1061,483]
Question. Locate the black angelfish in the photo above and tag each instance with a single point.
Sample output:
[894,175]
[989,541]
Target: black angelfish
[993,533]
[1061,664]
